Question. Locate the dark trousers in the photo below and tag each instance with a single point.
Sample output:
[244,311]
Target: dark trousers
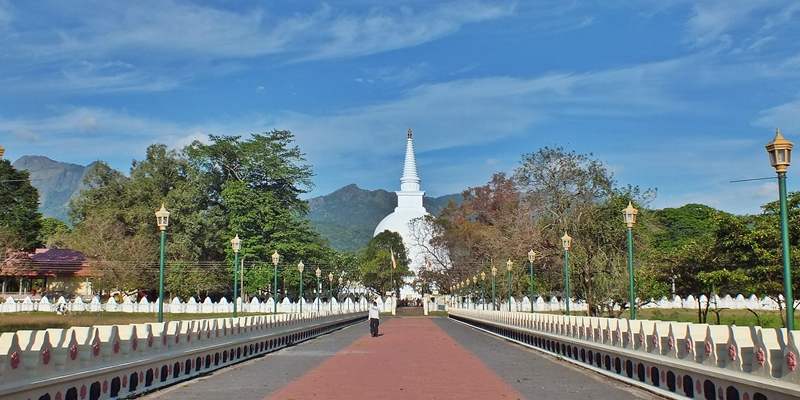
[373,326]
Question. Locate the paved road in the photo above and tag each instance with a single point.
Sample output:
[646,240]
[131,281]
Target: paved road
[537,375]
[416,358]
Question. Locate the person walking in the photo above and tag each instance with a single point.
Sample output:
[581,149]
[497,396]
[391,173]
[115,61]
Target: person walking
[374,318]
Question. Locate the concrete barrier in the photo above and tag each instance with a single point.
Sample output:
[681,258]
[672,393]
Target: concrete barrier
[119,361]
[674,359]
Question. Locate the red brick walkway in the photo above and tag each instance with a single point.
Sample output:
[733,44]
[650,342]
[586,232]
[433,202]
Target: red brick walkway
[414,359]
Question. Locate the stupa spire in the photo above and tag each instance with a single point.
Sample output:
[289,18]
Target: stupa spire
[409,182]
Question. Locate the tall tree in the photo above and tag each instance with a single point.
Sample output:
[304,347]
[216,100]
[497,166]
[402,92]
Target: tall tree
[52,232]
[213,190]
[749,249]
[377,269]
[20,220]
[552,191]
[269,162]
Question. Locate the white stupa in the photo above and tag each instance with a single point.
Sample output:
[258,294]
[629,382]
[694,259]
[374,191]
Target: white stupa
[409,207]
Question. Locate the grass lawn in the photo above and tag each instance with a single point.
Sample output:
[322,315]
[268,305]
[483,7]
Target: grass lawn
[10,322]
[768,319]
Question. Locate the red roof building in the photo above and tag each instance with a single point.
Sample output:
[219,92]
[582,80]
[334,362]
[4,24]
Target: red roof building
[62,271]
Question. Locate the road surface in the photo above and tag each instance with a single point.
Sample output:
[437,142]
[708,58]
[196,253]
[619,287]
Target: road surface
[415,358]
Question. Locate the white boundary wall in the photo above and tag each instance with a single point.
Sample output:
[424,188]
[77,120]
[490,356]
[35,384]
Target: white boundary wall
[675,359]
[175,305]
[118,361]
[739,302]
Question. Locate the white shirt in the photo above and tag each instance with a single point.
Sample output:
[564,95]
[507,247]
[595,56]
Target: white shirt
[374,312]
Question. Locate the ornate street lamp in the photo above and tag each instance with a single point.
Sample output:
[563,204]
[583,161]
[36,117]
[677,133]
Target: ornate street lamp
[391,275]
[318,272]
[531,258]
[566,242]
[509,266]
[340,291]
[629,214]
[475,286]
[276,258]
[483,290]
[300,268]
[236,245]
[330,291]
[162,220]
[780,156]
[494,274]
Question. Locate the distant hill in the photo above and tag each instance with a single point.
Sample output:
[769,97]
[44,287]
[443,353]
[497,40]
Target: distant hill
[56,182]
[348,216]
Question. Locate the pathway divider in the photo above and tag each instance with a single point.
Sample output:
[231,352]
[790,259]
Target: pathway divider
[675,359]
[119,361]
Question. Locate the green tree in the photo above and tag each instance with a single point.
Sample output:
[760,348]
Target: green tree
[122,260]
[52,232]
[751,246]
[268,162]
[213,191]
[552,191]
[714,282]
[576,193]
[266,226]
[683,244]
[185,279]
[20,220]
[376,268]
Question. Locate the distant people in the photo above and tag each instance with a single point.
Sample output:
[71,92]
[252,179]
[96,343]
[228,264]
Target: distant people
[374,318]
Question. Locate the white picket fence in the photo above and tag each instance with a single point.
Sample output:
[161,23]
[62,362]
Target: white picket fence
[207,306]
[739,302]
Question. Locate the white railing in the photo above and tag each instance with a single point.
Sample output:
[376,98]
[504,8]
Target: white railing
[675,359]
[118,361]
[738,302]
[191,306]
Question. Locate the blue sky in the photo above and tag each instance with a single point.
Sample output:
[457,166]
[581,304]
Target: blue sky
[676,95]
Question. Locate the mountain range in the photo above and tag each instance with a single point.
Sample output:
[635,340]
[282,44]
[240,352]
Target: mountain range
[56,182]
[346,217]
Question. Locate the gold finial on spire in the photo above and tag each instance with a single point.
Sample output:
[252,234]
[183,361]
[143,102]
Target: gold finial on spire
[2,151]
[410,133]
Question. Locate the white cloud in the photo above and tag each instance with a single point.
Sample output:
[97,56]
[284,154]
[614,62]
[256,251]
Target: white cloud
[742,25]
[446,115]
[84,134]
[784,116]
[471,112]
[711,21]
[383,30]
[89,46]
[96,77]
[361,143]
[396,75]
